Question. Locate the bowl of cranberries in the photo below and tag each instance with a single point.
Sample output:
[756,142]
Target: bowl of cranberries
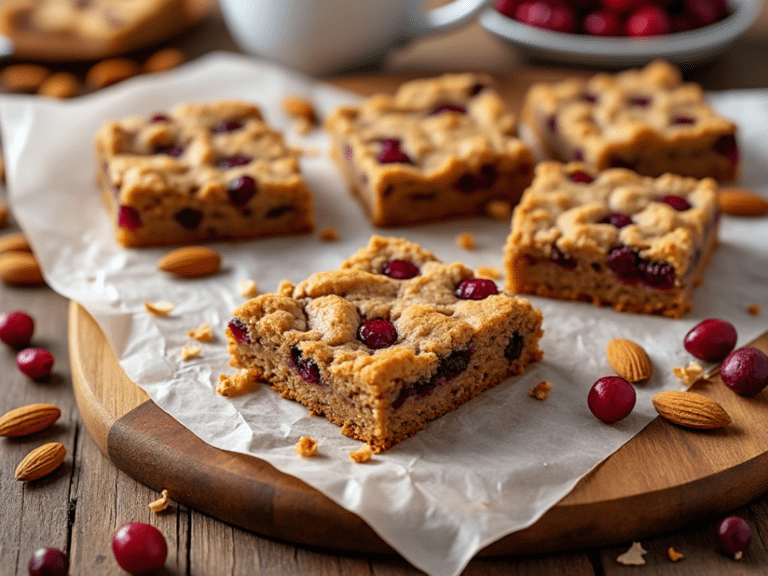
[620,32]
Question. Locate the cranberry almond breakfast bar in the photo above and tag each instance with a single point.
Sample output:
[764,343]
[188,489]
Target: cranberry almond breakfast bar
[647,120]
[200,172]
[439,148]
[613,238]
[391,340]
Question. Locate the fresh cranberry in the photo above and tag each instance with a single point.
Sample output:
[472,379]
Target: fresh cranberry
[625,264]
[228,126]
[159,118]
[745,371]
[681,23]
[580,176]
[611,399]
[640,101]
[139,548]
[16,328]
[35,362]
[658,275]
[377,333]
[189,218]
[621,5]
[514,347]
[449,108]
[400,269]
[617,220]
[648,21]
[241,190]
[506,7]
[734,535]
[677,202]
[726,146]
[563,19]
[173,151]
[306,367]
[234,161]
[239,331]
[704,12]
[391,152]
[684,120]
[711,340]
[49,562]
[476,289]
[550,15]
[562,259]
[128,217]
[602,23]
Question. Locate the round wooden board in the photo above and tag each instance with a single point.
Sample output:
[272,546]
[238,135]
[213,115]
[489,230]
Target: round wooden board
[664,477]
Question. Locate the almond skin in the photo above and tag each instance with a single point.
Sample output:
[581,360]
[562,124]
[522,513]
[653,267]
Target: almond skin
[741,202]
[15,242]
[191,262]
[690,410]
[20,269]
[41,461]
[28,419]
[629,360]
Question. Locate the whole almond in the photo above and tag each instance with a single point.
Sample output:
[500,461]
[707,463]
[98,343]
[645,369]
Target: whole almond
[629,360]
[23,77]
[28,419]
[41,461]
[690,410]
[741,202]
[164,60]
[191,262]
[16,241]
[20,269]
[60,85]
[111,71]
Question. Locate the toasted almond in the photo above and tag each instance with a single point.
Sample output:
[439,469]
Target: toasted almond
[161,503]
[41,461]
[629,360]
[690,410]
[20,269]
[466,240]
[298,107]
[14,242]
[741,202]
[23,77]
[28,419]
[60,85]
[163,60]
[191,262]
[110,71]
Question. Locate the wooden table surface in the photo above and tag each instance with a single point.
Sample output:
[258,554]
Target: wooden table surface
[79,507]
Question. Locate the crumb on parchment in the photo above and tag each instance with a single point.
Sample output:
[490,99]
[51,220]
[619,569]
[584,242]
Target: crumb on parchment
[674,555]
[329,234]
[159,308]
[541,390]
[203,333]
[237,384]
[362,455]
[189,351]
[688,374]
[754,309]
[466,240]
[499,209]
[306,447]
[248,288]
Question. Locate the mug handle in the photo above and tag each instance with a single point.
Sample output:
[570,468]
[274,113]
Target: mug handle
[440,18]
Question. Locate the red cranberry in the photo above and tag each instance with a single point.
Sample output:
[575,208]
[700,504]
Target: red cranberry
[480,180]
[658,275]
[450,367]
[745,371]
[734,535]
[623,163]
[49,562]
[139,548]
[580,176]
[475,289]
[711,340]
[159,118]
[611,399]
[578,155]
[562,259]
[681,23]
[189,218]
[391,152]
[726,146]
[602,23]
[228,126]
[35,362]
[677,202]
[306,367]
[536,13]
[648,21]
[241,190]
[506,7]
[234,161]
[552,124]
[377,333]
[16,328]
[704,12]
[400,269]
[617,220]
[128,217]
[621,5]
[625,264]
[563,19]
[239,331]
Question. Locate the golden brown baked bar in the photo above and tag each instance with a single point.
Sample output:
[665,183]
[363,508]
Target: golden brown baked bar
[391,340]
[613,238]
[439,148]
[647,120]
[200,172]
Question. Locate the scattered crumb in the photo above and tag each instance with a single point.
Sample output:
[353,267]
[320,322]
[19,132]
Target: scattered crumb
[754,309]
[329,234]
[161,503]
[541,390]
[362,455]
[3,212]
[633,556]
[466,240]
[738,555]
[689,374]
[498,209]
[159,308]
[300,108]
[189,351]
[231,386]
[247,288]
[203,333]
[489,272]
[306,446]
[674,555]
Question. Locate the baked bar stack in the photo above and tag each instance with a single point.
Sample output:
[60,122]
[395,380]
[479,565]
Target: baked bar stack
[647,120]
[200,172]
[613,238]
[439,148]
[391,340]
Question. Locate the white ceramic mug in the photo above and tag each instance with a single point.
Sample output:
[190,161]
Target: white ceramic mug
[322,36]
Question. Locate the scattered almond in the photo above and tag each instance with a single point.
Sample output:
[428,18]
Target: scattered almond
[23,77]
[41,461]
[60,85]
[674,555]
[111,71]
[499,210]
[203,333]
[690,410]
[488,272]
[298,107]
[362,455]
[161,503]
[191,262]
[329,234]
[189,351]
[741,202]
[688,375]
[629,360]
[541,390]
[164,60]
[754,309]
[466,240]
[306,447]
[231,386]
[159,308]
[4,212]
[247,288]
[14,242]
[633,556]
[20,268]
[28,419]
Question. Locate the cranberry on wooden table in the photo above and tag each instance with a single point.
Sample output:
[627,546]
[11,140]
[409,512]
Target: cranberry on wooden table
[745,371]
[35,362]
[16,328]
[734,535]
[139,548]
[611,399]
[49,562]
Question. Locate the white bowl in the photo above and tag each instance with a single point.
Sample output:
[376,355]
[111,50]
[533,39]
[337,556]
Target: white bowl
[683,48]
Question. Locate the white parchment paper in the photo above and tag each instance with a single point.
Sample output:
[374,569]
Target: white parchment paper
[490,468]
